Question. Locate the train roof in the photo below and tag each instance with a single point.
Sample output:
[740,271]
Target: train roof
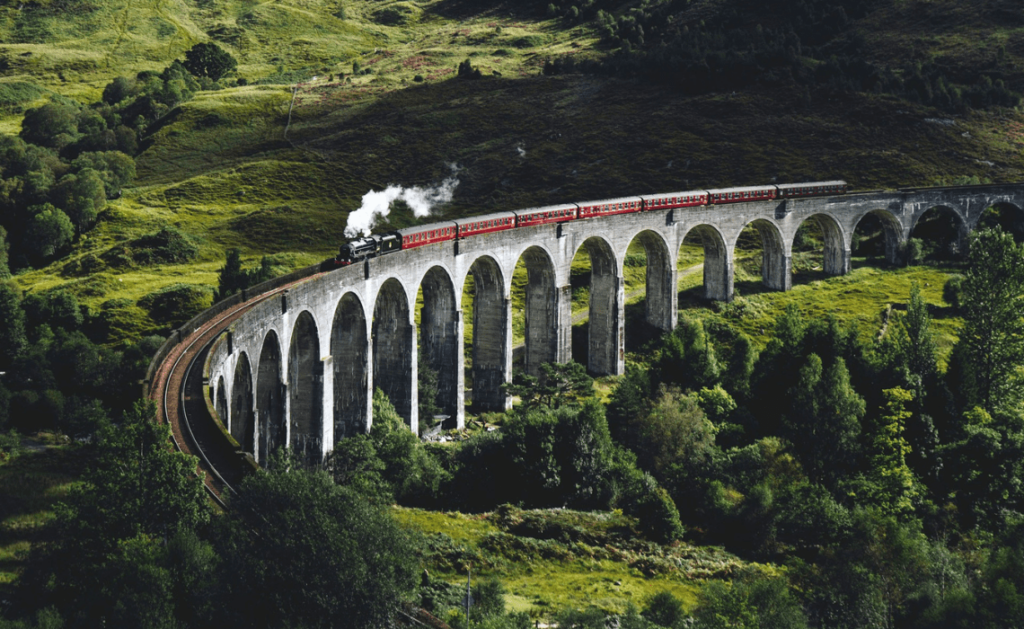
[615,200]
[419,229]
[813,184]
[546,208]
[483,217]
[766,186]
[684,193]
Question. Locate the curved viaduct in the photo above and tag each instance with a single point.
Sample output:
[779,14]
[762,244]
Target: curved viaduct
[298,368]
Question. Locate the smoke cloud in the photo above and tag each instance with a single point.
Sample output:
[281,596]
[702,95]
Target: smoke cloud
[377,204]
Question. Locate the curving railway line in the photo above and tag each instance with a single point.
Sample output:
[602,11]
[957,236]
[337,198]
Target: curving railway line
[177,387]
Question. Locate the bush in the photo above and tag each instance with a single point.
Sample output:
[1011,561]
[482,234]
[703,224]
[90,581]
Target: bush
[178,303]
[207,59]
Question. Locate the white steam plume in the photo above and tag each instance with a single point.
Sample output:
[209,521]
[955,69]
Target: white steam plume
[377,204]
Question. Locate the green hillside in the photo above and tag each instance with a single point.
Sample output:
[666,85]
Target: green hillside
[275,166]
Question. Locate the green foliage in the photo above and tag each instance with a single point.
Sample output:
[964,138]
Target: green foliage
[991,342]
[54,125]
[893,488]
[688,357]
[176,304]
[305,551]
[81,196]
[823,422]
[207,59]
[748,604]
[413,476]
[49,232]
[5,247]
[354,463]
[234,278]
[168,245]
[12,332]
[558,384]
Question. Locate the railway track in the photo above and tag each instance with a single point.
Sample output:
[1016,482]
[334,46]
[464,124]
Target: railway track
[178,389]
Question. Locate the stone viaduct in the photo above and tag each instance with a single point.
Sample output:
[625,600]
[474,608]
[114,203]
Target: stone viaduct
[299,369]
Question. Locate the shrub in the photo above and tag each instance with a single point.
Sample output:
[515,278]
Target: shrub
[209,60]
[178,303]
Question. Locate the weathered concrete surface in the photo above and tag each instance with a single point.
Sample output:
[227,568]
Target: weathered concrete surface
[301,367]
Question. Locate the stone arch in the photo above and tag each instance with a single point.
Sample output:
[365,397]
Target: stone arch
[305,388]
[221,401]
[242,420]
[892,233]
[394,349]
[270,400]
[836,256]
[1005,214]
[605,321]
[956,241]
[541,310]
[491,335]
[660,304]
[775,260]
[718,271]
[349,356]
[439,336]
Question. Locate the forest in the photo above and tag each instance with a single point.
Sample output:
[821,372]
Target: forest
[867,486]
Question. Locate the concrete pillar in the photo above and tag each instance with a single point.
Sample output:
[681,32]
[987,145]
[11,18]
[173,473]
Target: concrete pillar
[837,261]
[460,373]
[327,404]
[414,400]
[776,271]
[718,275]
[563,324]
[661,304]
[440,339]
[606,321]
[351,369]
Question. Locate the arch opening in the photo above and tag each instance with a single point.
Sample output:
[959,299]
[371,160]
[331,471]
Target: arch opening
[595,284]
[487,315]
[938,235]
[349,349]
[773,263]
[1005,216]
[242,421]
[878,234]
[438,378]
[717,262]
[305,380]
[394,349]
[270,400]
[535,302]
[647,270]
[819,249]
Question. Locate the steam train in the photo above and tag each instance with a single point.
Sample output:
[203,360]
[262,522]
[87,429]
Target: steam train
[421,235]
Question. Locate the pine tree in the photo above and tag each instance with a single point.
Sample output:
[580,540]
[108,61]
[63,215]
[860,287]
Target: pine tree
[991,342]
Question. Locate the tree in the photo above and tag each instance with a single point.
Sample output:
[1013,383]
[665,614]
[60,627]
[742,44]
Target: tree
[558,384]
[81,196]
[823,421]
[53,125]
[5,248]
[117,90]
[49,231]
[893,485]
[12,331]
[675,435]
[991,342]
[688,358]
[209,60]
[302,551]
[138,490]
